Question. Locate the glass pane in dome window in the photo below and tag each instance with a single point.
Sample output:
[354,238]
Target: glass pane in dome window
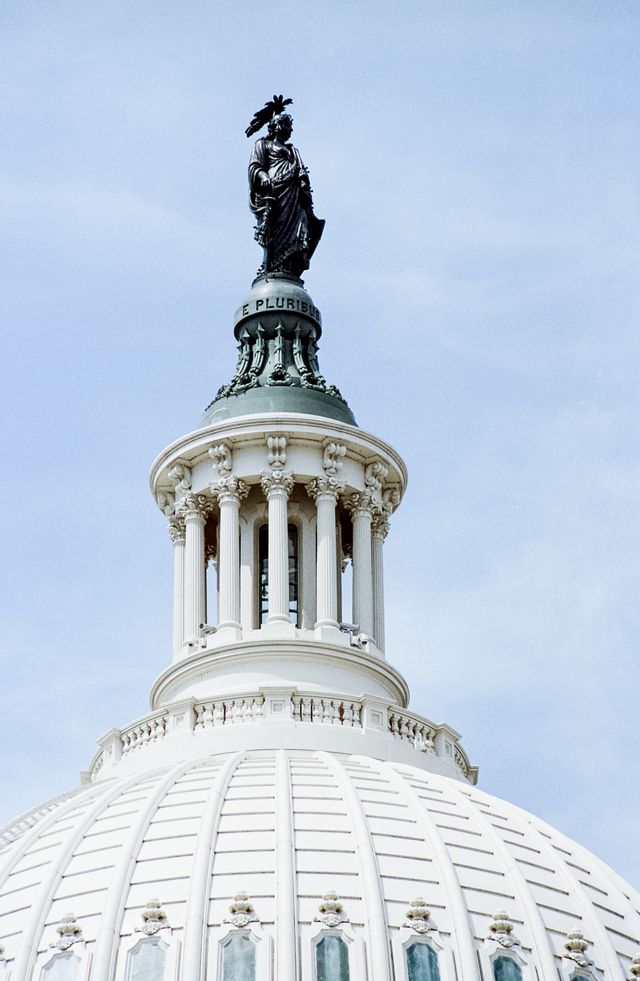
[146,962]
[332,959]
[422,963]
[239,959]
[506,969]
[63,967]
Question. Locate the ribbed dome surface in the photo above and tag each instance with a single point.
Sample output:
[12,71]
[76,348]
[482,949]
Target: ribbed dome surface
[286,827]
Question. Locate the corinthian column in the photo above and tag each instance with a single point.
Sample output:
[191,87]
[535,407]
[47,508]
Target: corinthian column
[362,511]
[176,533]
[325,492]
[192,509]
[277,486]
[229,491]
[380,529]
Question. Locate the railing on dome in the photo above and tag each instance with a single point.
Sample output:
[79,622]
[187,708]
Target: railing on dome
[16,828]
[306,708]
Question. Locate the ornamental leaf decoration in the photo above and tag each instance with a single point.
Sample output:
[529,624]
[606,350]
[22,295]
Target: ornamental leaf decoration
[264,115]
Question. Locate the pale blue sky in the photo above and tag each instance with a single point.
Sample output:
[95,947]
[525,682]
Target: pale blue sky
[476,163]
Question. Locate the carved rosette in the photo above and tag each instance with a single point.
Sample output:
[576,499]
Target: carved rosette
[576,949]
[154,919]
[331,910]
[501,930]
[418,916]
[176,530]
[69,932]
[242,912]
[325,487]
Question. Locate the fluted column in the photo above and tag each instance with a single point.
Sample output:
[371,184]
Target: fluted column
[379,531]
[325,491]
[277,486]
[229,492]
[362,511]
[192,509]
[177,535]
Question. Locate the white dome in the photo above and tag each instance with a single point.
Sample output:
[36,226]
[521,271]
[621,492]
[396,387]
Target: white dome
[287,827]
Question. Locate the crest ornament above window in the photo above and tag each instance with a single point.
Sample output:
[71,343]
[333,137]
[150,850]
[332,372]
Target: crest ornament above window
[634,970]
[242,912]
[501,930]
[418,916]
[332,912]
[69,933]
[154,919]
[576,949]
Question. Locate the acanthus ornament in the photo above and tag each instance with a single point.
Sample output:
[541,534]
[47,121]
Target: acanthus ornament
[362,502]
[222,459]
[69,932]
[229,487]
[242,911]
[180,477]
[418,916]
[390,499]
[321,486]
[332,912]
[176,529]
[195,505]
[166,501]
[501,930]
[332,458]
[374,474]
[576,949]
[276,481]
[380,526]
[154,919]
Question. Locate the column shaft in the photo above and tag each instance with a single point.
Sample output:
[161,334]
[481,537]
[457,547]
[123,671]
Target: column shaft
[278,554]
[362,572]
[194,584]
[379,534]
[326,563]
[178,591]
[229,561]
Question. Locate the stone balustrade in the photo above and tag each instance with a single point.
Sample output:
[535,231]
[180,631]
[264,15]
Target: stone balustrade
[295,707]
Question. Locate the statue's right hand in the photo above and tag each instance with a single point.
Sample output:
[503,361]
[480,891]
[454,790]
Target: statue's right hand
[265,184]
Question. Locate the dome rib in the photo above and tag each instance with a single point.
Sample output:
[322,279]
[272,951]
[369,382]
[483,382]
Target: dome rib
[40,908]
[195,927]
[286,926]
[542,948]
[461,921]
[605,948]
[376,918]
[109,933]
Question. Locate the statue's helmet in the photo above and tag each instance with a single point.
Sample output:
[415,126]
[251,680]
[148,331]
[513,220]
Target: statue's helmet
[279,120]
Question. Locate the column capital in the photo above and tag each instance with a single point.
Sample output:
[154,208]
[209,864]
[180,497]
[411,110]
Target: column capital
[229,488]
[362,503]
[277,482]
[176,530]
[194,506]
[325,487]
[380,526]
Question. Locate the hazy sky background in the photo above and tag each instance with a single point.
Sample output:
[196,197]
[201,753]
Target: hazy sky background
[477,165]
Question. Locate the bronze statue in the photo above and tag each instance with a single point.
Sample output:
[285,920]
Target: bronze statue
[280,194]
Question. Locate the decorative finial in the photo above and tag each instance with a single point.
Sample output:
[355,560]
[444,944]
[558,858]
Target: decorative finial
[418,916]
[634,969]
[242,912]
[154,918]
[69,932]
[576,947]
[280,194]
[332,912]
[501,930]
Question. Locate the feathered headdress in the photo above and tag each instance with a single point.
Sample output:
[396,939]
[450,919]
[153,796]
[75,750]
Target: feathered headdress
[262,116]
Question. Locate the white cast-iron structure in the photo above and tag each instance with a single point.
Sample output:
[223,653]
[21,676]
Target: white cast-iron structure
[280,814]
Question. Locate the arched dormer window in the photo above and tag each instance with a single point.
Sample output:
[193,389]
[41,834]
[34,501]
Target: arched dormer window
[421,962]
[332,958]
[239,957]
[506,969]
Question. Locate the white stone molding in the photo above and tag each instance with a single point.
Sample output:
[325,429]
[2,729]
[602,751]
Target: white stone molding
[276,452]
[576,960]
[277,485]
[77,957]
[374,475]
[180,477]
[362,508]
[178,537]
[248,573]
[242,911]
[222,458]
[379,531]
[325,491]
[154,919]
[69,932]
[196,916]
[331,911]
[286,885]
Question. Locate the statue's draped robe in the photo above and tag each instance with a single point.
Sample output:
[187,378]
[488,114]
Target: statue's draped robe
[292,231]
